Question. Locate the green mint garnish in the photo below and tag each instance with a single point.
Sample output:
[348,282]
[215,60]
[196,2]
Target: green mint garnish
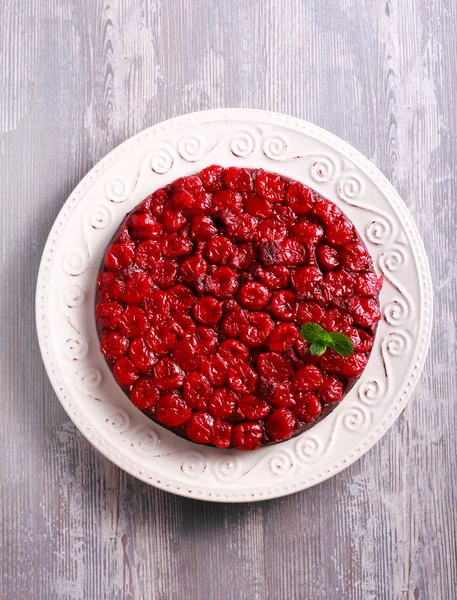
[320,340]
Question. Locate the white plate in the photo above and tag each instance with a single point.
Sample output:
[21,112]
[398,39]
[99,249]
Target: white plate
[66,295]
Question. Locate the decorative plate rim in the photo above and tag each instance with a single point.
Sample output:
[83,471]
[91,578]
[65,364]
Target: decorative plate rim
[419,352]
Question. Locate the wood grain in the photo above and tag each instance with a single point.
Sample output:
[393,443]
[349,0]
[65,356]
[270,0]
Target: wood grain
[79,77]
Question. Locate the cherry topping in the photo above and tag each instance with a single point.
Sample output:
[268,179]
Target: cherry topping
[280,424]
[172,410]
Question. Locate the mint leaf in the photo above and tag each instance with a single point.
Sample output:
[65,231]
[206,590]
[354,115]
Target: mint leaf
[341,343]
[317,349]
[313,333]
[319,340]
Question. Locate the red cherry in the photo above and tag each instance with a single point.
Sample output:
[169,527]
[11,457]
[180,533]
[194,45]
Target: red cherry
[192,269]
[340,233]
[164,273]
[308,408]
[233,352]
[283,396]
[282,337]
[197,391]
[253,408]
[270,186]
[280,424]
[306,232]
[365,341]
[257,207]
[336,320]
[354,365]
[113,345]
[148,254]
[207,310]
[214,369]
[110,287]
[242,378]
[172,411]
[107,314]
[203,228]
[175,245]
[181,323]
[274,366]
[340,283]
[304,281]
[242,227]
[219,249]
[119,256]
[327,257]
[125,372]
[233,322]
[255,330]
[168,375]
[247,436]
[207,340]
[310,312]
[144,227]
[238,180]
[156,202]
[331,390]
[222,433]
[284,215]
[190,183]
[132,322]
[199,428]
[243,257]
[141,355]
[145,395]
[222,403]
[274,278]
[254,295]
[368,284]
[172,221]
[326,212]
[308,378]
[211,178]
[185,354]
[283,305]
[224,282]
[180,297]
[365,311]
[201,205]
[160,339]
[226,201]
[181,200]
[137,287]
[300,198]
[271,230]
[355,257]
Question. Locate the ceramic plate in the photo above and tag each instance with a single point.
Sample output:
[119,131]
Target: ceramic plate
[66,296]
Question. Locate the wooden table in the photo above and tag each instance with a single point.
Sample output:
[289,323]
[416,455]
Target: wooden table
[77,77]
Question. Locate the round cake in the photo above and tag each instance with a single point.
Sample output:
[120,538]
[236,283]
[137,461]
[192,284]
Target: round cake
[237,307]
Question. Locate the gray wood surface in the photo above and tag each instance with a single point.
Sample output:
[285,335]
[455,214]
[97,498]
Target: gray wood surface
[77,77]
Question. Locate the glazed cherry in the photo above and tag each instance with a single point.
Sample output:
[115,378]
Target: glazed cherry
[144,227]
[308,378]
[283,337]
[197,391]
[199,428]
[247,435]
[207,310]
[107,314]
[222,433]
[145,395]
[308,408]
[168,375]
[113,345]
[331,390]
[119,256]
[172,410]
[125,371]
[222,403]
[253,408]
[280,424]
[239,180]
[202,294]
[254,295]
[300,198]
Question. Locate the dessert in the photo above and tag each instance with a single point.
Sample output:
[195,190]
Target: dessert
[237,307]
